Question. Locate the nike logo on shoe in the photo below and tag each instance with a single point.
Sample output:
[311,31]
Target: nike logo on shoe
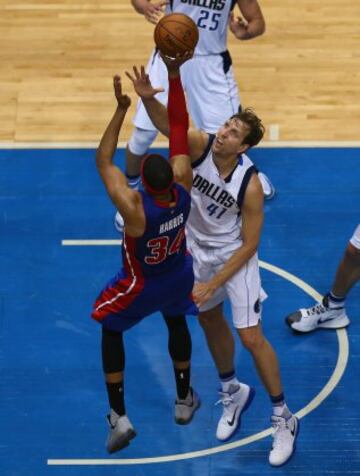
[320,320]
[231,423]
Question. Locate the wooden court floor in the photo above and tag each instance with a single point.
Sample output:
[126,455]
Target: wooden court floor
[58,57]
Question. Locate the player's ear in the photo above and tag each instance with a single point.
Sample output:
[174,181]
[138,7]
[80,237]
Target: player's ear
[243,148]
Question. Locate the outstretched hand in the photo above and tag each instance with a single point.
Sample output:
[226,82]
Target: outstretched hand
[123,100]
[142,84]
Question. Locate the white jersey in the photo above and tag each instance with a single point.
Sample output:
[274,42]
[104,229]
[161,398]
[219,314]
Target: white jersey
[215,217]
[211,18]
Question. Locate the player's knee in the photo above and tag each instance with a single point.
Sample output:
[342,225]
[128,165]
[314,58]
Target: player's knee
[212,319]
[141,140]
[353,254]
[113,353]
[179,338]
[251,340]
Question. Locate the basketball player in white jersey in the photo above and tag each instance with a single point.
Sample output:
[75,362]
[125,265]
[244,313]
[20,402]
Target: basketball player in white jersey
[208,78]
[331,313]
[223,232]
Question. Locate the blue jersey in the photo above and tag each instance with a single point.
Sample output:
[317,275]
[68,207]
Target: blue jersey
[162,247]
[157,272]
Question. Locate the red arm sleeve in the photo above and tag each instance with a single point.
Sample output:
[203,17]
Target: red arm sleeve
[178,119]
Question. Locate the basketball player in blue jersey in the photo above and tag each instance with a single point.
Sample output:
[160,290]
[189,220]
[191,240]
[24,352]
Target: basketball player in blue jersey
[208,78]
[157,273]
[223,233]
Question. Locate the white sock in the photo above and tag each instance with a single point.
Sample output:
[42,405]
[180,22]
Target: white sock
[335,301]
[133,182]
[113,417]
[226,384]
[281,411]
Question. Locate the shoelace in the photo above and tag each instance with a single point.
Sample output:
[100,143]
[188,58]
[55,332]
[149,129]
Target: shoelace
[280,427]
[317,309]
[225,399]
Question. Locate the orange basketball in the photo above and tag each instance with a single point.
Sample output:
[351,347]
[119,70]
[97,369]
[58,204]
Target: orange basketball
[176,33]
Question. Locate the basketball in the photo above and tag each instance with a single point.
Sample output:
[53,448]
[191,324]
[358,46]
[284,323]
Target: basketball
[176,33]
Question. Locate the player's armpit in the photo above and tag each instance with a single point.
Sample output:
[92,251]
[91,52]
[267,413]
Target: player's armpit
[129,203]
[198,140]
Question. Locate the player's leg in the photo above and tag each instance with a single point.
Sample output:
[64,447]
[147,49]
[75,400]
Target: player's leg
[113,360]
[331,313]
[245,293]
[235,395]
[285,424]
[208,82]
[180,346]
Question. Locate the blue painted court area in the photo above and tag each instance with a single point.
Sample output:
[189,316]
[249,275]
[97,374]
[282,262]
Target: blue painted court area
[53,400]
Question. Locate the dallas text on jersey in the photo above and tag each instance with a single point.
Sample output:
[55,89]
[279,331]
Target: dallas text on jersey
[210,4]
[213,191]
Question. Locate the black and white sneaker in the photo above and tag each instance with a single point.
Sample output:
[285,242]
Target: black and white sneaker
[267,186]
[119,222]
[318,316]
[185,409]
[235,401]
[285,434]
[120,434]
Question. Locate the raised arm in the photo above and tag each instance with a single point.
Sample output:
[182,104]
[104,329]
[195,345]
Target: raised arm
[252,24]
[127,201]
[178,129]
[158,113]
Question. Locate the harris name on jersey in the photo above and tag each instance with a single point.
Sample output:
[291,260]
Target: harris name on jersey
[171,224]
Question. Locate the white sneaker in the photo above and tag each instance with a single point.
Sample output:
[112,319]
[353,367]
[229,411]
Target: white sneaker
[285,434]
[235,401]
[318,316]
[268,187]
[119,222]
[120,434]
[185,409]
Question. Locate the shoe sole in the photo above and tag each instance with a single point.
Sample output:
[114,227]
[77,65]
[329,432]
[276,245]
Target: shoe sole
[185,422]
[245,407]
[339,324]
[124,443]
[294,447]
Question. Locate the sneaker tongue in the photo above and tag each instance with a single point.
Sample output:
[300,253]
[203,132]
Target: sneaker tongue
[233,388]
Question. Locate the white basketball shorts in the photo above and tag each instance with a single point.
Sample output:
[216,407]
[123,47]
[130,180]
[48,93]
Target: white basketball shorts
[355,239]
[243,289]
[212,94]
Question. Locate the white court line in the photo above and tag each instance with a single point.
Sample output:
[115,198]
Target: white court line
[91,242]
[340,367]
[164,145]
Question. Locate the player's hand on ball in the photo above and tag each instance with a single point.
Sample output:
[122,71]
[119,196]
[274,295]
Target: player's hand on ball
[154,11]
[174,63]
[123,100]
[202,292]
[142,84]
